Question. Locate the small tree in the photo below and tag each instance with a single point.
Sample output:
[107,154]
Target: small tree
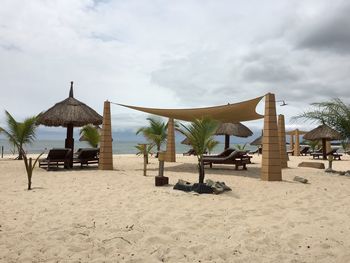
[29,165]
[156,132]
[240,147]
[90,134]
[20,133]
[200,134]
[211,145]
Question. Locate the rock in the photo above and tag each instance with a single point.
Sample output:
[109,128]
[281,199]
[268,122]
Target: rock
[329,170]
[341,173]
[316,165]
[300,179]
[347,174]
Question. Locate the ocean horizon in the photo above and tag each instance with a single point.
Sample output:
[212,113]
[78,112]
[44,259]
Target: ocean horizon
[119,147]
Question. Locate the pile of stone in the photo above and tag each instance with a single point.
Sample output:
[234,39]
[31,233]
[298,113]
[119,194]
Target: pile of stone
[207,188]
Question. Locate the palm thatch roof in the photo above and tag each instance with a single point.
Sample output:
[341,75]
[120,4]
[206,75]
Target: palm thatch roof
[70,111]
[235,129]
[186,141]
[257,141]
[323,132]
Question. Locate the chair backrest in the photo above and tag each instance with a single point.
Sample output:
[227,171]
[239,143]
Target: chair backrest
[88,153]
[58,153]
[332,151]
[226,152]
[305,149]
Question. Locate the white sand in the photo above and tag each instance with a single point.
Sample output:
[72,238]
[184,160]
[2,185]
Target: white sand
[120,216]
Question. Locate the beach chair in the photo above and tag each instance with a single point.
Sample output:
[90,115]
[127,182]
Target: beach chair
[56,157]
[86,156]
[290,152]
[225,153]
[237,158]
[305,151]
[190,152]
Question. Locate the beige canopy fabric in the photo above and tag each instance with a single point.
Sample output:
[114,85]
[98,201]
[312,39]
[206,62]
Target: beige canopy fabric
[243,111]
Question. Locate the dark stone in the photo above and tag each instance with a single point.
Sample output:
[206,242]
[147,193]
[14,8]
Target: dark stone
[300,179]
[316,165]
[202,188]
[161,180]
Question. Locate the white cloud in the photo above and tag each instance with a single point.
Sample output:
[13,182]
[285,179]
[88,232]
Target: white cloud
[168,54]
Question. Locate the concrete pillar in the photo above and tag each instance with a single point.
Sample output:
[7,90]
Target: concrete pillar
[297,143]
[282,141]
[271,158]
[291,144]
[106,150]
[170,145]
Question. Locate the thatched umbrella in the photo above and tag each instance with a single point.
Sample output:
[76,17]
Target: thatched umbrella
[235,129]
[186,141]
[70,113]
[257,141]
[324,133]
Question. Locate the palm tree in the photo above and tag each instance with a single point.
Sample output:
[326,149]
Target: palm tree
[200,134]
[334,113]
[20,133]
[156,132]
[90,134]
[211,145]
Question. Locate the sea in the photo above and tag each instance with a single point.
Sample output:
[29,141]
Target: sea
[119,147]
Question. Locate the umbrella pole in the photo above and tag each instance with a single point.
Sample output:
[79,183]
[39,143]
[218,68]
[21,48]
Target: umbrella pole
[227,141]
[324,149]
[69,143]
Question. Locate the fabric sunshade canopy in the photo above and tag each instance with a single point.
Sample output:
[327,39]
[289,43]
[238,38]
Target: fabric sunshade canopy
[293,132]
[243,111]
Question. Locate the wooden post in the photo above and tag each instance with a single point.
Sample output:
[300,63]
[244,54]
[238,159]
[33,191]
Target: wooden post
[297,143]
[271,158]
[291,143]
[227,141]
[145,158]
[2,151]
[282,141]
[106,150]
[170,146]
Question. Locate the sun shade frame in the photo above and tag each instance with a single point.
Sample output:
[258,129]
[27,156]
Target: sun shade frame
[237,112]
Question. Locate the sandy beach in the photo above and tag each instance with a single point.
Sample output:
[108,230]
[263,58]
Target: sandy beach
[87,215]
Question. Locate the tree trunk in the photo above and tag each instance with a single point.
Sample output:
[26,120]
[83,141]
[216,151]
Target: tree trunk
[20,154]
[29,174]
[201,171]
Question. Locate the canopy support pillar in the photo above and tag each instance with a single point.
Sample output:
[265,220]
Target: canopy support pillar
[271,158]
[106,150]
[297,143]
[170,145]
[69,143]
[282,141]
[324,149]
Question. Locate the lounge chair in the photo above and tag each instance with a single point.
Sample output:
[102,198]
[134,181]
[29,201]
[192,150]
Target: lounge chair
[225,153]
[237,158]
[86,156]
[190,152]
[305,151]
[290,152]
[56,157]
[333,152]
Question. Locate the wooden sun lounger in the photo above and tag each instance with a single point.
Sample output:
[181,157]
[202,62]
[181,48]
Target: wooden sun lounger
[237,158]
[56,157]
[190,152]
[305,151]
[225,153]
[86,156]
[333,152]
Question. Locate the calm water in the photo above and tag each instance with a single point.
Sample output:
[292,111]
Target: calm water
[119,147]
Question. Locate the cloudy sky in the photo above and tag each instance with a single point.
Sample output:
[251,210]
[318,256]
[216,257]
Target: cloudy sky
[183,53]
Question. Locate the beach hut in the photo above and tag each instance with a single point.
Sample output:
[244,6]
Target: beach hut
[324,133]
[69,113]
[233,129]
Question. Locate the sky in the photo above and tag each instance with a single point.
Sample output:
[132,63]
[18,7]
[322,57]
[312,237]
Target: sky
[172,54]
